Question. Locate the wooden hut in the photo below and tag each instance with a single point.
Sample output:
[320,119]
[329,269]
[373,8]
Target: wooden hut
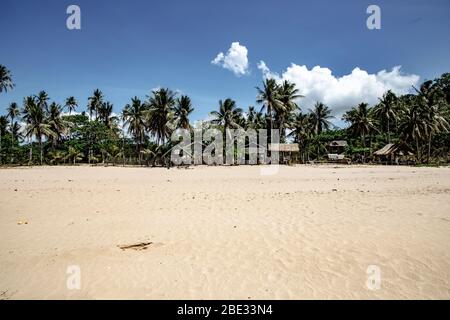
[394,153]
[336,149]
[287,151]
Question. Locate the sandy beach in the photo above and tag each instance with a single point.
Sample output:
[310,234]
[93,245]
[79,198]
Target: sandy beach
[225,232]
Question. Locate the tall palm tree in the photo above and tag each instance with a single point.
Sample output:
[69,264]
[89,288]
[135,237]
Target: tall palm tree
[42,100]
[5,79]
[302,131]
[250,119]
[387,111]
[361,122]
[133,116]
[105,114]
[260,121]
[270,98]
[57,124]
[71,104]
[228,115]
[16,131]
[36,123]
[413,127]
[161,106]
[94,103]
[288,95]
[432,103]
[320,117]
[13,112]
[183,108]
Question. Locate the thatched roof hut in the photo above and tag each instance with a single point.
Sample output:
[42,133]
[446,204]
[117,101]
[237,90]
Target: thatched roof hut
[394,152]
[393,149]
[288,151]
[386,150]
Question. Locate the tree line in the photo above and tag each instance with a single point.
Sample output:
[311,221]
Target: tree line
[41,131]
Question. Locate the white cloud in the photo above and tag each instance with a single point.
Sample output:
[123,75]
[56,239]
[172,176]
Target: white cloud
[234,60]
[342,93]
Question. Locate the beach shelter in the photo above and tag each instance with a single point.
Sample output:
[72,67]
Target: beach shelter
[394,153]
[286,150]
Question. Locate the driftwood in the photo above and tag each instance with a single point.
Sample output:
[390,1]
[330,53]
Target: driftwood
[135,246]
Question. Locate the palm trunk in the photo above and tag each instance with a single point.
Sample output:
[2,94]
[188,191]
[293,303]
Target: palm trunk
[363,142]
[138,150]
[429,148]
[13,139]
[30,159]
[388,132]
[417,150]
[123,151]
[41,149]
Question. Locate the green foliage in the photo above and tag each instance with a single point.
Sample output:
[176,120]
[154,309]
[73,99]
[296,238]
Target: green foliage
[40,132]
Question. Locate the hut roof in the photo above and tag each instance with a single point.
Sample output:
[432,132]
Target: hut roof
[338,143]
[386,150]
[284,147]
[392,148]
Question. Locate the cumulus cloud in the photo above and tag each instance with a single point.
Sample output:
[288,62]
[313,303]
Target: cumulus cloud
[341,93]
[234,60]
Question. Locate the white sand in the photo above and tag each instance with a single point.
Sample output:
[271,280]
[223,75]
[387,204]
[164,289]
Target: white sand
[225,232]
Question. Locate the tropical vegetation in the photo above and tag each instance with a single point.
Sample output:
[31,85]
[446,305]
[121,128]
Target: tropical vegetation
[41,131]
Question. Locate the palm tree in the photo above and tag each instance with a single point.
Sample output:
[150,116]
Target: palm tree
[94,102]
[320,117]
[160,113]
[71,104]
[56,123]
[105,114]
[260,121]
[269,96]
[302,131]
[5,79]
[36,123]
[387,110]
[3,130]
[361,122]
[183,109]
[228,115]
[432,103]
[13,112]
[114,153]
[250,118]
[288,95]
[42,100]
[134,116]
[74,155]
[16,131]
[413,127]
[319,120]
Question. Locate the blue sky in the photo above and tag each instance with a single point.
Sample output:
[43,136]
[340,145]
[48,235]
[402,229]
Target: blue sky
[126,48]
